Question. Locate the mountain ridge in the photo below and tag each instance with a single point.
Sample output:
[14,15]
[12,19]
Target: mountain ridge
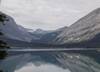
[12,30]
[84,29]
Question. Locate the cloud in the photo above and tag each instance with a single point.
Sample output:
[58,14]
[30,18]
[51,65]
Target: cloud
[48,14]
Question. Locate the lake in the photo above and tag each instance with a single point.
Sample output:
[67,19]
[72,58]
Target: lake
[52,61]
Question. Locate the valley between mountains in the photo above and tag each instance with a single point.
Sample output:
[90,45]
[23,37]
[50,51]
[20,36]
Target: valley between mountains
[85,33]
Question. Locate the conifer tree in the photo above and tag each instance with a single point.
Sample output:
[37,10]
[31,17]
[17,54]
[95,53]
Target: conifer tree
[1,71]
[3,45]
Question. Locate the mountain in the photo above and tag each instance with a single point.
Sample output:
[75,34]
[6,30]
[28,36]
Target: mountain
[37,34]
[11,30]
[83,33]
[40,31]
[85,30]
[49,37]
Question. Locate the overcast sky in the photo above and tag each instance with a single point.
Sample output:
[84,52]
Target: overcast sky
[47,14]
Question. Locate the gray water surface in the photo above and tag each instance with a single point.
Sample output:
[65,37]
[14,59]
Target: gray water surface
[48,61]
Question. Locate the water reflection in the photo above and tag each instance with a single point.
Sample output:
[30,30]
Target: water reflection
[68,61]
[30,67]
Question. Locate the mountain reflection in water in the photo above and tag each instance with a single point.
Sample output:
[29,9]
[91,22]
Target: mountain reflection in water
[68,61]
[30,67]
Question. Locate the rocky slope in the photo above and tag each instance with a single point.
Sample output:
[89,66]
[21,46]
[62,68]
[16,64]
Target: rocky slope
[84,29]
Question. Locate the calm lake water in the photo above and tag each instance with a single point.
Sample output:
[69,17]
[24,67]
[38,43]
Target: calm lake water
[48,61]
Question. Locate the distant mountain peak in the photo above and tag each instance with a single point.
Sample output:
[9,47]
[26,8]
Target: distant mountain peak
[40,31]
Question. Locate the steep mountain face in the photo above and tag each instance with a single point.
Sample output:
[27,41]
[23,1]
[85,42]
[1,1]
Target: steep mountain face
[12,30]
[84,29]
